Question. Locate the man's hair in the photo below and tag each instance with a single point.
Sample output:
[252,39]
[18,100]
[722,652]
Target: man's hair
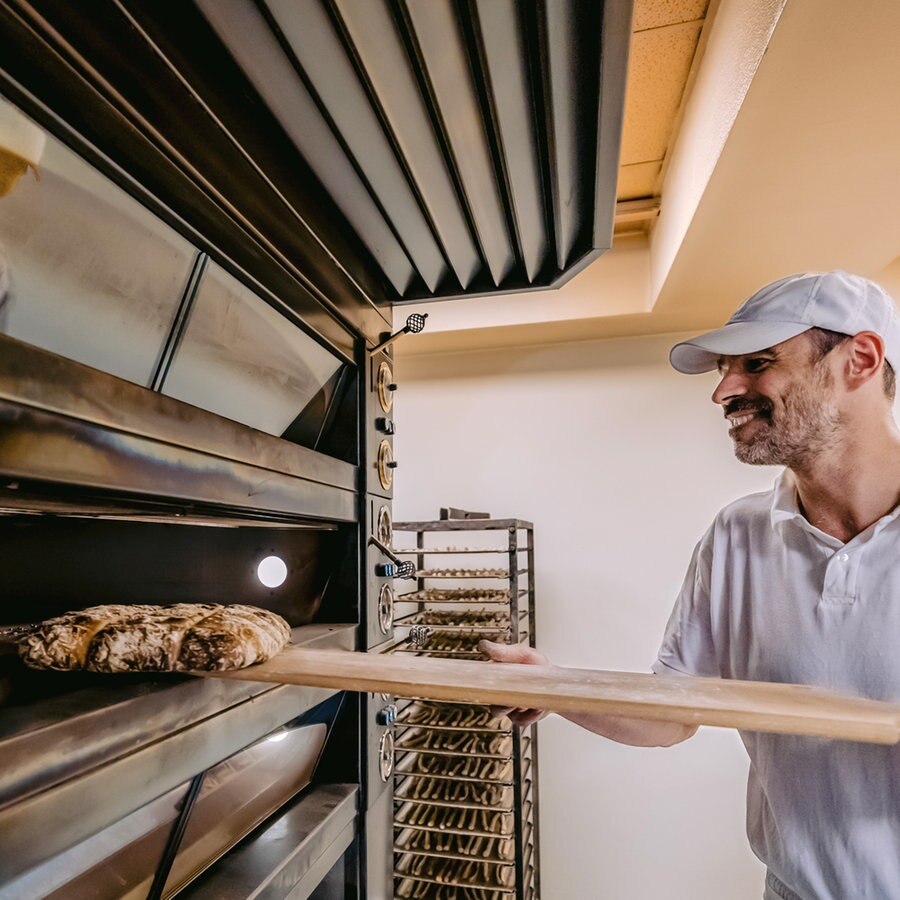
[824,341]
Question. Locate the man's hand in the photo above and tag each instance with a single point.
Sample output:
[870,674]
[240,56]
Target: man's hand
[622,729]
[515,653]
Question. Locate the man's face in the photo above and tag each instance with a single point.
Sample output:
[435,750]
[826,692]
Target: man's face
[782,405]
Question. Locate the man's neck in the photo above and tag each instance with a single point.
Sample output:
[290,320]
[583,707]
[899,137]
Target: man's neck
[852,488]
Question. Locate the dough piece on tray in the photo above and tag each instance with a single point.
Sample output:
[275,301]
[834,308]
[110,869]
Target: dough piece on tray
[142,638]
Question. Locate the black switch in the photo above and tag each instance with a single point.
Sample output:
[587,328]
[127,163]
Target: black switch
[384,424]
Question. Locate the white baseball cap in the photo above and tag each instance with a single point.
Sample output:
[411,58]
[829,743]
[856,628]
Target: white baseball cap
[836,301]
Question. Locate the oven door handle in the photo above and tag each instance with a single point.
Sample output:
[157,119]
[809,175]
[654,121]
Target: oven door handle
[405,568]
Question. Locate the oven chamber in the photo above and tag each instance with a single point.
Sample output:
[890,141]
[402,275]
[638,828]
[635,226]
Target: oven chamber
[174,409]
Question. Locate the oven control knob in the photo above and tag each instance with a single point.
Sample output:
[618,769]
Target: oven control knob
[386,425]
[392,387]
[386,716]
[392,464]
[386,570]
[386,609]
[386,755]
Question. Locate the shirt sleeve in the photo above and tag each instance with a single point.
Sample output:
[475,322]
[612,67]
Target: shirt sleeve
[687,646]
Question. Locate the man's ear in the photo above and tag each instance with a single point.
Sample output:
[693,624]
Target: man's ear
[866,357]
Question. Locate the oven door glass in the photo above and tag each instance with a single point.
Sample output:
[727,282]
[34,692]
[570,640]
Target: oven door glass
[235,796]
[242,359]
[85,271]
[241,792]
[119,861]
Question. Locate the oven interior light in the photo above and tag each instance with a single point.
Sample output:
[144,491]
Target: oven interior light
[272,571]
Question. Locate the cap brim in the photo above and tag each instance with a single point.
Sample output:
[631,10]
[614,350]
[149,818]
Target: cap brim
[702,353]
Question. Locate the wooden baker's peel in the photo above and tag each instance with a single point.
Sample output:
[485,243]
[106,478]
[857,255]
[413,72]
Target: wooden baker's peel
[748,705]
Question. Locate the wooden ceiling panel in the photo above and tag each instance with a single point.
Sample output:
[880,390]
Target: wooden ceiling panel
[659,13]
[660,62]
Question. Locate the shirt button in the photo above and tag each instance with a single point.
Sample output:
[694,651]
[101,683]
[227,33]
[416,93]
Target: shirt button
[844,557]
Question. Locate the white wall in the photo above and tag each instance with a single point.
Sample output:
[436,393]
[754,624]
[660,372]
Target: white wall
[621,464]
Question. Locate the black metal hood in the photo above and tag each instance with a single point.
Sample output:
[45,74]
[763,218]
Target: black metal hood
[375,150]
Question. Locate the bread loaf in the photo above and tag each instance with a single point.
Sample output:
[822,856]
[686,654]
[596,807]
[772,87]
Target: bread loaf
[177,638]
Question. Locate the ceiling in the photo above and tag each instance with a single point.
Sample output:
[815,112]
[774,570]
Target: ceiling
[665,34]
[782,157]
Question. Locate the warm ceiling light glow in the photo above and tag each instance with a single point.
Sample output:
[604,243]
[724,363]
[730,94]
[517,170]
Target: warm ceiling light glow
[272,571]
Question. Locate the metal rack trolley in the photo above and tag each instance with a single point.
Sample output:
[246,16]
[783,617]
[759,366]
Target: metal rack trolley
[466,794]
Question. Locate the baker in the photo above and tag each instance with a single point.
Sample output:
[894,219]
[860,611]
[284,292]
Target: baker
[800,584]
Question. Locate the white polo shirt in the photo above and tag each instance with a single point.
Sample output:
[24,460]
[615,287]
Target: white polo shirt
[769,597]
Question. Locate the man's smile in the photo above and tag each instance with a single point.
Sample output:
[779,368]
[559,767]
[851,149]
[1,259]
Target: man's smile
[743,415]
[737,421]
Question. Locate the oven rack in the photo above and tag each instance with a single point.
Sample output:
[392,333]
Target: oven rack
[450,880]
[473,619]
[452,728]
[462,574]
[446,767]
[455,654]
[453,804]
[460,795]
[409,883]
[461,857]
[450,551]
[498,741]
[460,775]
[460,832]
[457,595]
[489,849]
[458,857]
[423,738]
[479,630]
[455,754]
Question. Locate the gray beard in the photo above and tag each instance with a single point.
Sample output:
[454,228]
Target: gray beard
[807,425]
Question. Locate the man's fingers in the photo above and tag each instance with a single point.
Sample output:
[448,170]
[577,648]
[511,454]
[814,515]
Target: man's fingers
[511,653]
[525,717]
[522,717]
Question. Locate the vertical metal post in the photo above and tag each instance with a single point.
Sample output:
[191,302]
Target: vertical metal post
[420,565]
[533,729]
[517,811]
[535,816]
[515,624]
[532,629]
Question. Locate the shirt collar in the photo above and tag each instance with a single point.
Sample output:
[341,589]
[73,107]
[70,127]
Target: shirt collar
[786,508]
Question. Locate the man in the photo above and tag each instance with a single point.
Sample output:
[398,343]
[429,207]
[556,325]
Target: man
[800,584]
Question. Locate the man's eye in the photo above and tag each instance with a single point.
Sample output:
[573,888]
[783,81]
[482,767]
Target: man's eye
[756,364]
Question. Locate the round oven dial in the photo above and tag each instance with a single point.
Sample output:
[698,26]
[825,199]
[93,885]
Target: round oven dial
[386,755]
[384,530]
[384,386]
[386,608]
[385,465]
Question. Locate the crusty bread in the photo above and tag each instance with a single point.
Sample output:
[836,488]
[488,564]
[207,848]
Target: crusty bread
[141,638]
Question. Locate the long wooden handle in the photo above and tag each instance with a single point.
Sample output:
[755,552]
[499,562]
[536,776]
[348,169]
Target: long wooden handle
[753,706]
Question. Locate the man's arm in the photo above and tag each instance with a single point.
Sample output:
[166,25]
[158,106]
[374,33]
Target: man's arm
[622,729]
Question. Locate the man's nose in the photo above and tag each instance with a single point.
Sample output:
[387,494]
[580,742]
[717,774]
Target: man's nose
[732,384]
